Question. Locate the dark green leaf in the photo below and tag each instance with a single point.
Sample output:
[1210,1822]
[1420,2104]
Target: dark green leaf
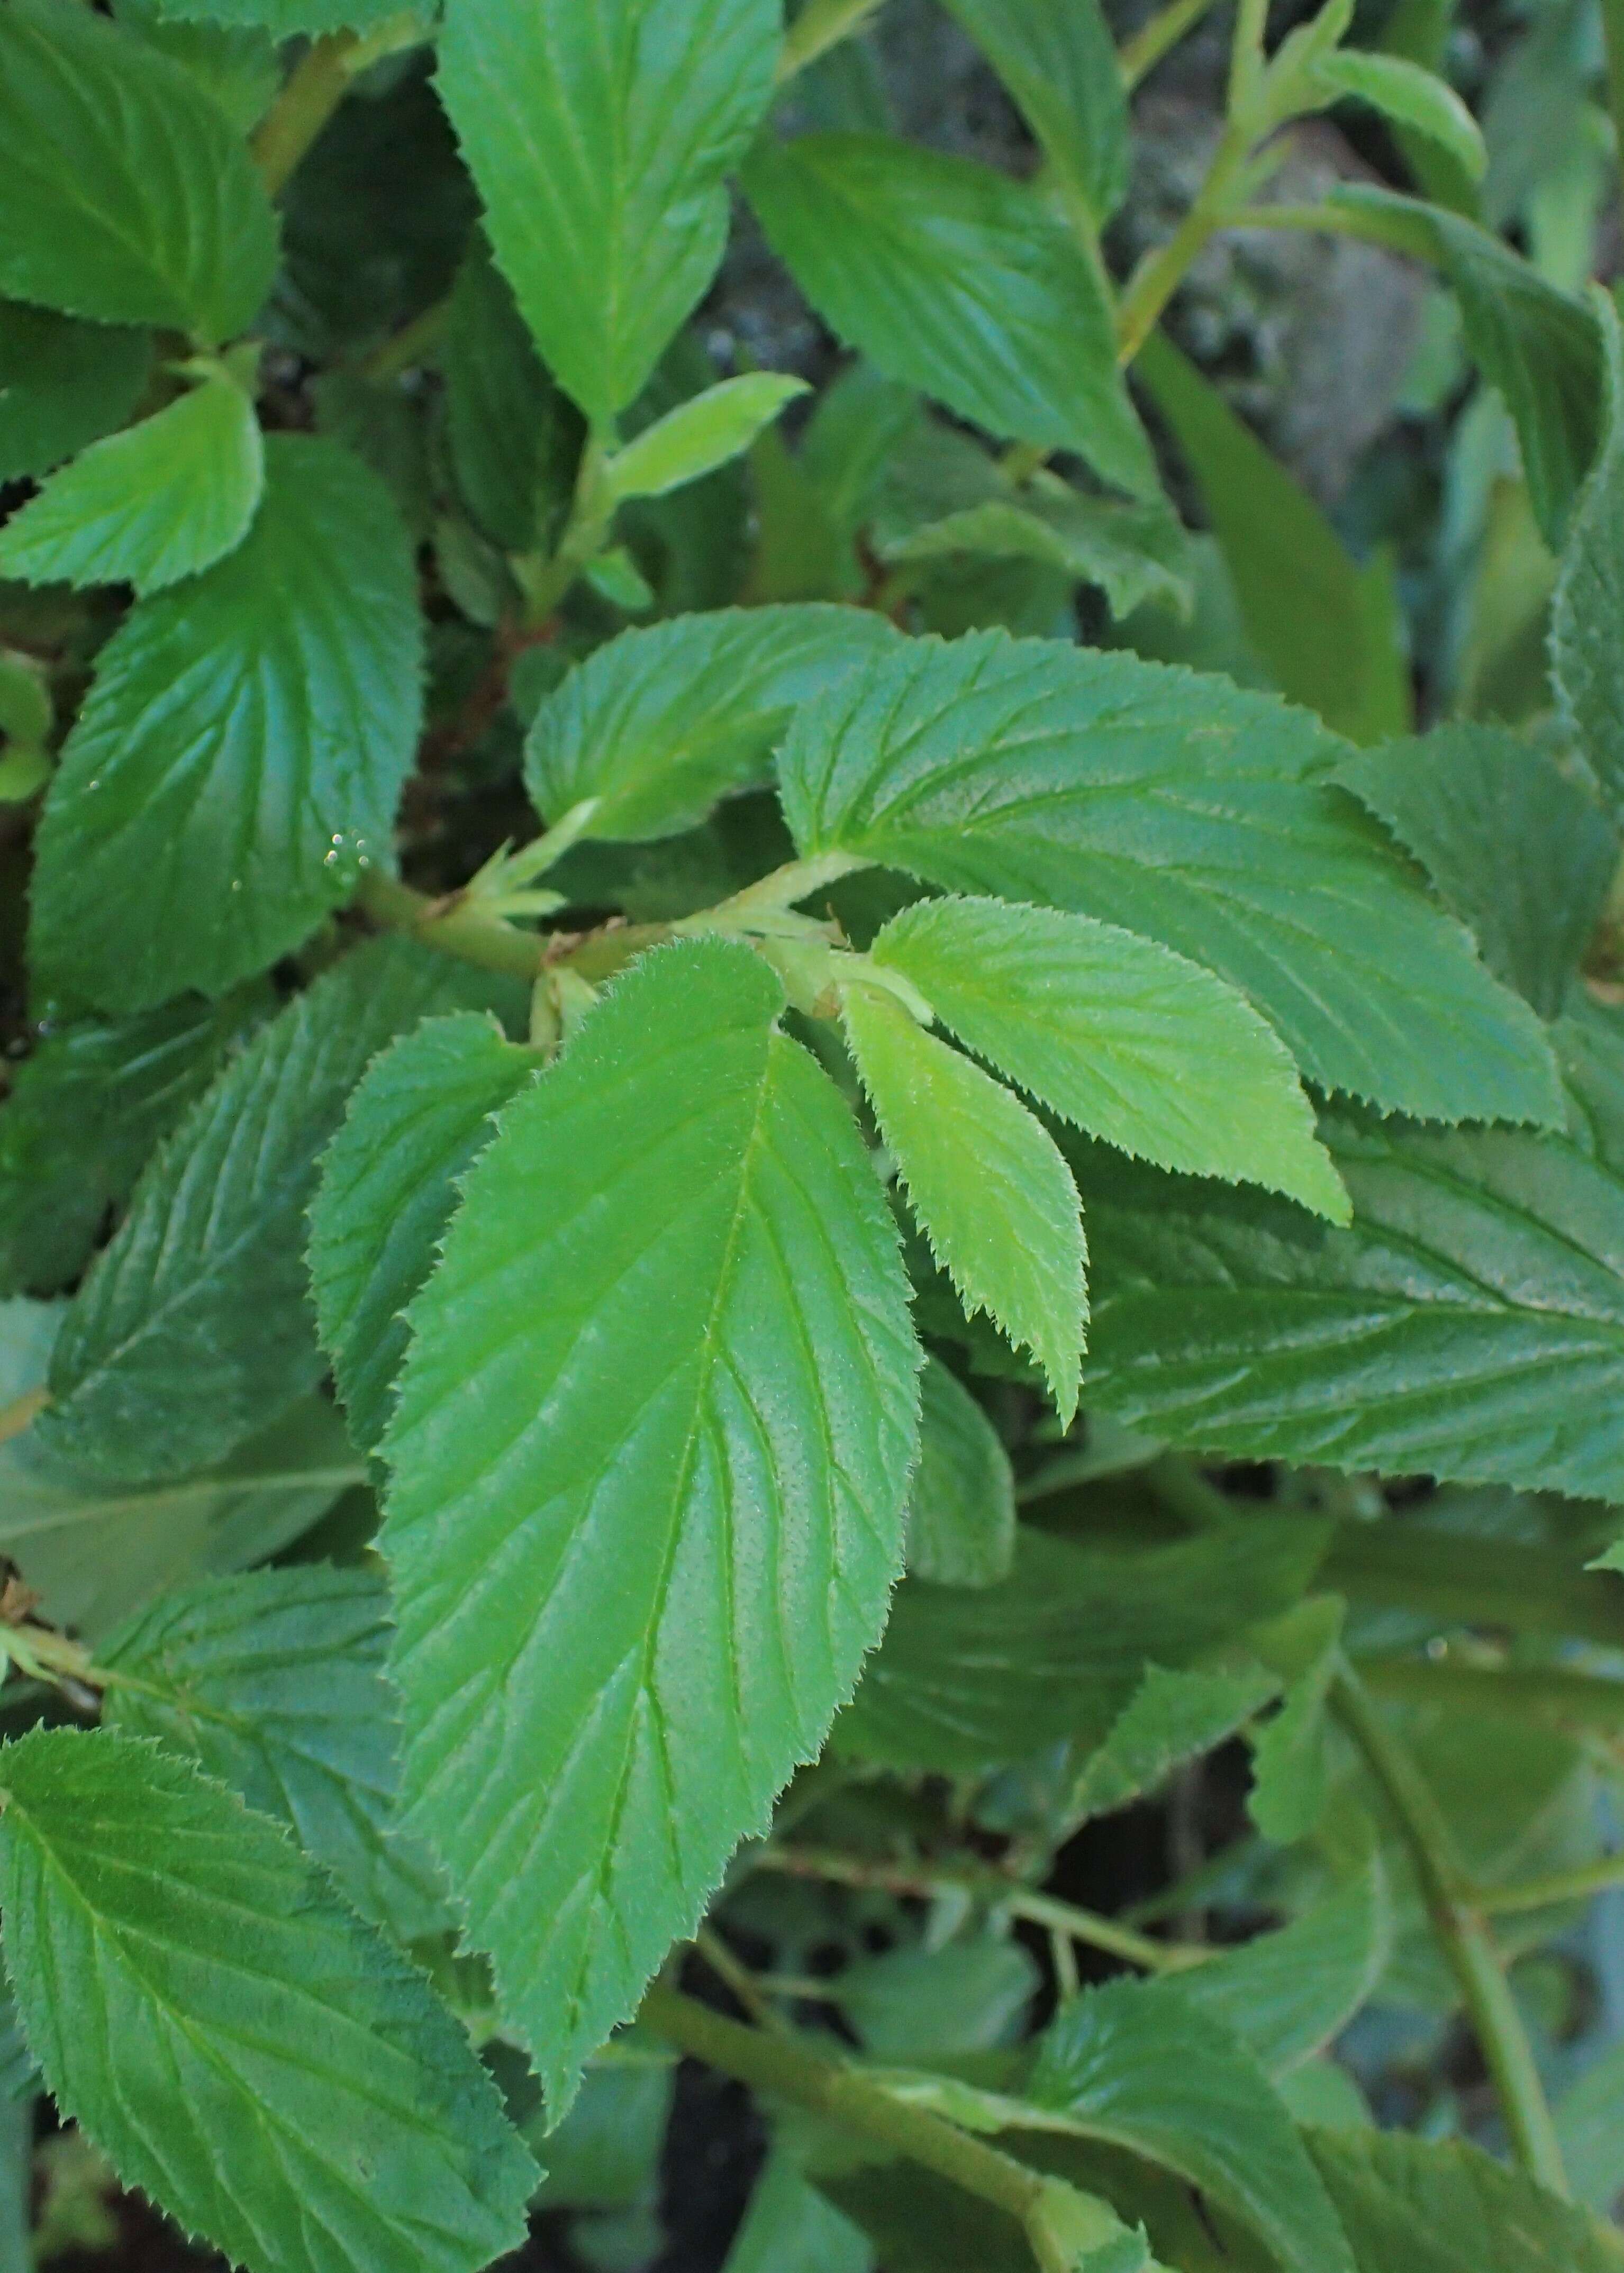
[283,19]
[1058,60]
[1441,2206]
[62,384]
[501,407]
[1170,1718]
[1587,623]
[236,65]
[790,2227]
[1288,1994]
[961,1513]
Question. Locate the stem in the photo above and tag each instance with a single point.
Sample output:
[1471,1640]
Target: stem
[1166,28]
[1455,1909]
[821,24]
[411,345]
[1474,1582]
[315,87]
[591,519]
[16,1416]
[1577,1886]
[458,928]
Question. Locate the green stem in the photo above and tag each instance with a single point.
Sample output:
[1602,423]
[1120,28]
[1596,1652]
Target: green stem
[1577,1886]
[1165,29]
[17,1416]
[411,345]
[1474,1582]
[821,24]
[1454,1908]
[317,85]
[591,520]
[459,928]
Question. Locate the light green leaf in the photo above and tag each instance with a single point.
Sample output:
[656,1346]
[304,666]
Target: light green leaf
[194,1328]
[924,2004]
[1514,847]
[1120,1035]
[1313,616]
[273,1683]
[609,232]
[699,435]
[150,506]
[502,411]
[1169,1719]
[957,281]
[1180,806]
[1288,1770]
[240,755]
[1138,2065]
[1589,2123]
[660,724]
[128,197]
[961,1514]
[283,19]
[1410,96]
[969,1677]
[621,1625]
[1058,60]
[62,384]
[1587,618]
[1442,2206]
[992,1194]
[237,2042]
[1286,1994]
[1469,1325]
[390,1184]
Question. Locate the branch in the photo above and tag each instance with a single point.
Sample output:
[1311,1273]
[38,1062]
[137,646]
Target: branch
[821,24]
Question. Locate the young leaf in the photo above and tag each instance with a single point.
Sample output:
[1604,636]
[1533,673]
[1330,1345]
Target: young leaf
[1138,2065]
[1121,1036]
[608,233]
[1058,60]
[1169,1719]
[1183,807]
[1442,2206]
[961,1514]
[624,1617]
[992,1194]
[241,752]
[273,1683]
[150,506]
[1410,96]
[193,1328]
[62,384]
[1289,1783]
[699,435]
[660,723]
[501,408]
[1286,1994]
[237,2042]
[960,282]
[127,196]
[388,1187]
[1587,645]
[1514,847]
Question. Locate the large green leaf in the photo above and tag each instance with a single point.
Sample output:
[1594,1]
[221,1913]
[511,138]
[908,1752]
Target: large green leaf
[1058,60]
[194,1327]
[961,1510]
[1139,2065]
[160,501]
[968,1677]
[273,1683]
[1121,1036]
[1515,848]
[1469,1325]
[959,282]
[388,1187]
[1587,621]
[127,196]
[990,1190]
[1315,618]
[660,723]
[650,1471]
[1184,807]
[241,752]
[1442,2206]
[84,1115]
[609,231]
[62,384]
[237,2042]
[1288,1994]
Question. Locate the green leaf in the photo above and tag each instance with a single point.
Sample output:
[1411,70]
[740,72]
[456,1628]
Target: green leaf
[273,1683]
[241,752]
[622,1624]
[237,66]
[1138,2065]
[283,19]
[1514,847]
[388,1188]
[501,407]
[1469,1325]
[237,2043]
[991,1192]
[193,1328]
[1169,1719]
[1590,2124]
[1441,2206]
[1183,807]
[1586,643]
[969,1677]
[150,506]
[699,435]
[1410,96]
[1058,60]
[609,233]
[62,384]
[1290,1775]
[1121,1036]
[1288,1994]
[128,198]
[790,2227]
[86,1111]
[957,281]
[1308,611]
[961,1513]
[920,2003]
[660,724]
